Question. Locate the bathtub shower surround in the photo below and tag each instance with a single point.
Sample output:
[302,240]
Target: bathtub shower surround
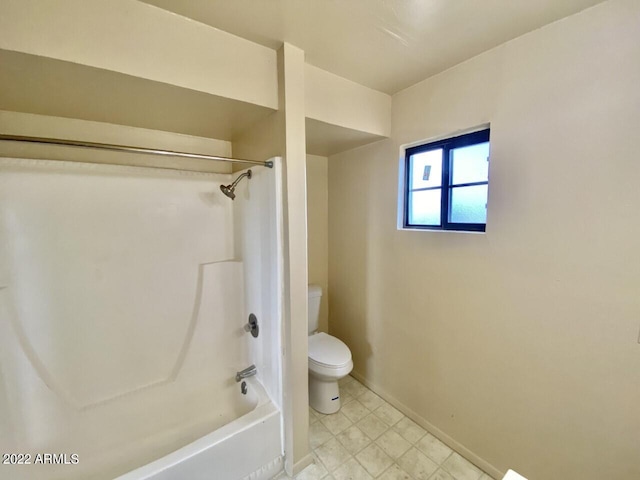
[123,296]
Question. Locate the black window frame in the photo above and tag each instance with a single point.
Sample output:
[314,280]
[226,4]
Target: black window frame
[446,145]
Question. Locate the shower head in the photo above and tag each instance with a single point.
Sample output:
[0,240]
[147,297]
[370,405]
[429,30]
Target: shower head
[229,190]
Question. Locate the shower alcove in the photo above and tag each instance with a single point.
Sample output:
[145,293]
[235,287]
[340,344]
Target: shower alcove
[124,295]
[126,280]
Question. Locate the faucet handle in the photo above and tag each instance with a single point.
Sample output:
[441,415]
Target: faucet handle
[252,326]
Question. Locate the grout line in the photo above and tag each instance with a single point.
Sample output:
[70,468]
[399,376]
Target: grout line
[370,442]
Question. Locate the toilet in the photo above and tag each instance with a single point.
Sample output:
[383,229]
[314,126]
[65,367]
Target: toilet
[329,361]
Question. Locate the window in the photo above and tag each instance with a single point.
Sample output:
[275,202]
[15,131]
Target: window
[447,182]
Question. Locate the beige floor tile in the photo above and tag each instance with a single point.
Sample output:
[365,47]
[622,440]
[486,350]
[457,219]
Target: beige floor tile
[315,471]
[332,454]
[374,460]
[388,414]
[345,380]
[372,426]
[318,434]
[312,417]
[345,397]
[369,438]
[433,448]
[355,411]
[351,470]
[441,475]
[416,464]
[319,415]
[409,430]
[336,422]
[370,400]
[355,388]
[393,444]
[394,472]
[461,468]
[353,439]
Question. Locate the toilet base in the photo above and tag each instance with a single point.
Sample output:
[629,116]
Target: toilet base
[324,395]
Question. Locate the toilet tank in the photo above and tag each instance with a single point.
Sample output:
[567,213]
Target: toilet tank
[315,295]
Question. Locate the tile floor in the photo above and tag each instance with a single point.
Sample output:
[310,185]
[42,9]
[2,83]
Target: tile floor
[368,438]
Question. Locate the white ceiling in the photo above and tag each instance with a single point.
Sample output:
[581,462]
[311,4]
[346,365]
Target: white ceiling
[387,45]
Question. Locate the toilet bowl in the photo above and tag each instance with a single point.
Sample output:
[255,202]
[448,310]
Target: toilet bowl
[329,361]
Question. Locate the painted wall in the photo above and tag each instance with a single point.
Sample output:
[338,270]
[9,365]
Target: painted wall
[283,134]
[294,171]
[131,37]
[518,346]
[318,231]
[15,123]
[116,47]
[338,101]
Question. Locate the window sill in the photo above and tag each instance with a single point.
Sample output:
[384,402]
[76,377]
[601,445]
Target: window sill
[439,230]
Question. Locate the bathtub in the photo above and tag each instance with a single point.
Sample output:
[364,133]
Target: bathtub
[121,323]
[195,425]
[220,434]
[248,448]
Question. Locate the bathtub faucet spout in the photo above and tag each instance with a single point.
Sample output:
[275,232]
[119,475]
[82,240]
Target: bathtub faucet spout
[247,372]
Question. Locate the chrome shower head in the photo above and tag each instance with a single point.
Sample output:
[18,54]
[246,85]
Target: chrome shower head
[229,190]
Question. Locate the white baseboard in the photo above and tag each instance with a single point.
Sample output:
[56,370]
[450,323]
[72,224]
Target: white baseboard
[436,432]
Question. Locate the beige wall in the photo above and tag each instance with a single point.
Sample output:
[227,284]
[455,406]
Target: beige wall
[15,123]
[518,346]
[338,101]
[132,37]
[283,134]
[318,231]
[121,49]
[296,393]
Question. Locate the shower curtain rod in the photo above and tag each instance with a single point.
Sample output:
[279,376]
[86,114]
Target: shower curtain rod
[129,149]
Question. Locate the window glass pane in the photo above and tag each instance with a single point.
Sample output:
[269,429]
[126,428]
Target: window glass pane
[426,169]
[469,164]
[424,207]
[468,204]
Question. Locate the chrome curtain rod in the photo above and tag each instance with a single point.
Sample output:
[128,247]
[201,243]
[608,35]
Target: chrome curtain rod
[129,149]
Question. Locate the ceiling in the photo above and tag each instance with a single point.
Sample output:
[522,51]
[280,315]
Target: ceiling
[386,45]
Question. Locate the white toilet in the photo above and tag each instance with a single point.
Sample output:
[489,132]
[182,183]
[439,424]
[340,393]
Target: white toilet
[329,361]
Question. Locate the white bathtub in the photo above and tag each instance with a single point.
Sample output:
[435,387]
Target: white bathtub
[249,447]
[217,434]
[121,323]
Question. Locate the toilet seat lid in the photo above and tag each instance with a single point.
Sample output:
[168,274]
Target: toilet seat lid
[328,351]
